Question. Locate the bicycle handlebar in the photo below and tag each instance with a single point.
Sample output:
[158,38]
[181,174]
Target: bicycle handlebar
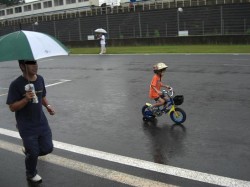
[169,92]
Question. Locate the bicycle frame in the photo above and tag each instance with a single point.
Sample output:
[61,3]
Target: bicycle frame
[169,107]
[165,106]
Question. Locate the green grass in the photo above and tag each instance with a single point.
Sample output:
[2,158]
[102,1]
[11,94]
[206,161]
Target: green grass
[166,49]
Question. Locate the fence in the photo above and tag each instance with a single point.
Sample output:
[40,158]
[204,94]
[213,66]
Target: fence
[226,19]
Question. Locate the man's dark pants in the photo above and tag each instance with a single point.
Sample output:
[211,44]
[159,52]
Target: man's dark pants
[36,145]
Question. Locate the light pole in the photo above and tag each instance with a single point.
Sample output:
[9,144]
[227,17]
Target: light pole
[179,10]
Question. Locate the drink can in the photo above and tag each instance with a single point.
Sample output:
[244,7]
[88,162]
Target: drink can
[31,87]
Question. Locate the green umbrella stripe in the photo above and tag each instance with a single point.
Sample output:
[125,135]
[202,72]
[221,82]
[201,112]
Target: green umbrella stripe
[21,49]
[29,45]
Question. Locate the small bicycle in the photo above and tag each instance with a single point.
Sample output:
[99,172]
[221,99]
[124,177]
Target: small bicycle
[170,107]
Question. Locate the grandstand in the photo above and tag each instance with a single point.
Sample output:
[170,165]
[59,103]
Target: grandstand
[75,20]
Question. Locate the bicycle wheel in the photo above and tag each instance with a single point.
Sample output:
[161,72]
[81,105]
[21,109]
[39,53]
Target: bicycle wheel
[147,114]
[178,116]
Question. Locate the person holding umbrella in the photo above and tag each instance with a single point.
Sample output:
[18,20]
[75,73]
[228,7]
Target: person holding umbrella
[102,39]
[27,93]
[26,97]
[101,36]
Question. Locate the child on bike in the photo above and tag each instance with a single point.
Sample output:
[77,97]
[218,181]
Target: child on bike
[156,84]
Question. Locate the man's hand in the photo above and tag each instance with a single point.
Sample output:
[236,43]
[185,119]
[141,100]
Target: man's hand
[29,95]
[160,93]
[168,87]
[50,110]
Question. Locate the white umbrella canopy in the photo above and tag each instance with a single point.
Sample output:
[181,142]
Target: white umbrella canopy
[100,30]
[29,45]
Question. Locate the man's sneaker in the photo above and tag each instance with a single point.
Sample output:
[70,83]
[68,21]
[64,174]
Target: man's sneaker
[36,178]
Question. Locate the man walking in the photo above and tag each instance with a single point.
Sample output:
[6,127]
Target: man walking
[26,97]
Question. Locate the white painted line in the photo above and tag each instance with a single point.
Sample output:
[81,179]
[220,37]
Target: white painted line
[49,85]
[3,89]
[61,81]
[90,169]
[165,169]
[10,133]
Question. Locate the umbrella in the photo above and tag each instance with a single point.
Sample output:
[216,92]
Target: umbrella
[100,30]
[29,45]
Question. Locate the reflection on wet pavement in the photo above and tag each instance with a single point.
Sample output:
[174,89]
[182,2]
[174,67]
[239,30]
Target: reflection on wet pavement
[166,141]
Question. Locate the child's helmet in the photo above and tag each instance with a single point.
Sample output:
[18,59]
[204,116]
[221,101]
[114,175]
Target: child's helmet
[159,67]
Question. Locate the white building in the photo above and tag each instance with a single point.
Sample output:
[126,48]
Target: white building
[110,2]
[38,7]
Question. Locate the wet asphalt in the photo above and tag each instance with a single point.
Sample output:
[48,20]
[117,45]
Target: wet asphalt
[100,108]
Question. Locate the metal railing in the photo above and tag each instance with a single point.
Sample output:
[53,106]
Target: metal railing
[141,20]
